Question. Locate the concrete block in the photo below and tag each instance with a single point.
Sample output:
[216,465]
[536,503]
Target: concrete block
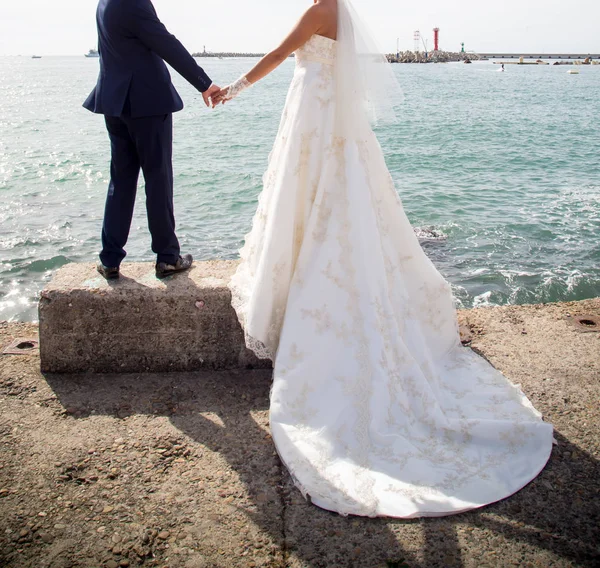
[139,323]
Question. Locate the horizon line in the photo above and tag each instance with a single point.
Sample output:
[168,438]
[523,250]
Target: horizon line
[200,54]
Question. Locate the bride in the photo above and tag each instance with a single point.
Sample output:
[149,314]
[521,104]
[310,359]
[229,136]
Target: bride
[376,408]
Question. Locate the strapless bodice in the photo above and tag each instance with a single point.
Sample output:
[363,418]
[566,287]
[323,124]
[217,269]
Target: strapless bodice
[318,48]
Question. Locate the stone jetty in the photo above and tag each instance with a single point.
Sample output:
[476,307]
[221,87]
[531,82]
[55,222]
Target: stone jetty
[223,55]
[433,57]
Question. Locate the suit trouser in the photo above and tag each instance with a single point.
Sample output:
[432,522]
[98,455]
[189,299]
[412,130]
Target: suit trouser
[140,143]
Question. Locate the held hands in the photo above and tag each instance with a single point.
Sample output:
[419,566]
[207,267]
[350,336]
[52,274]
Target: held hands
[230,92]
[221,97]
[210,94]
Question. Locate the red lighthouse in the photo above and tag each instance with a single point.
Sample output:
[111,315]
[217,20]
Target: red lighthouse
[436,39]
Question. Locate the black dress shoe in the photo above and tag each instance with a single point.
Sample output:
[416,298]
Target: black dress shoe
[183,263]
[109,272]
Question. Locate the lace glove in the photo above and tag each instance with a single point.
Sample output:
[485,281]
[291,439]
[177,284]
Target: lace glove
[236,88]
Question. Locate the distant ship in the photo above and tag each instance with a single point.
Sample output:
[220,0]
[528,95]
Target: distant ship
[92,53]
[36,57]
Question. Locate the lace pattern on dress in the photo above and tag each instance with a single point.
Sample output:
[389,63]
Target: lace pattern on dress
[319,49]
[240,285]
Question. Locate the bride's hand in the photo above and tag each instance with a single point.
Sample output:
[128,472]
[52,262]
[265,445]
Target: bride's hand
[231,91]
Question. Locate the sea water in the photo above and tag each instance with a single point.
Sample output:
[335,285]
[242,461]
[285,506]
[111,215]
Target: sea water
[503,168]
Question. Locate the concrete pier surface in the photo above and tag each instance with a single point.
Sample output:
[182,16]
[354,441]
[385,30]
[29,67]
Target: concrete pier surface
[178,470]
[139,323]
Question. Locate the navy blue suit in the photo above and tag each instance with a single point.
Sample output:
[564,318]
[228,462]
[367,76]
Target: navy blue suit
[135,94]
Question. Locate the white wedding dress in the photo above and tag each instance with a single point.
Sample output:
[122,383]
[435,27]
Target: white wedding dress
[376,408]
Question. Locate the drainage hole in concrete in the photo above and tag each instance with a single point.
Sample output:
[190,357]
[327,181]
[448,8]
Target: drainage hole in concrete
[25,345]
[589,323]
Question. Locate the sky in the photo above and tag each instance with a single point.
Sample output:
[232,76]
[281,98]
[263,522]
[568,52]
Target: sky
[67,27]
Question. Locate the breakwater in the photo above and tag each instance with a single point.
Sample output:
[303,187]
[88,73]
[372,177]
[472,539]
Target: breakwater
[448,57]
[227,54]
[522,61]
[231,55]
[433,57]
[402,57]
[541,55]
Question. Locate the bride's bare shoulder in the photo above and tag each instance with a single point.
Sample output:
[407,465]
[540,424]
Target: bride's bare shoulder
[325,11]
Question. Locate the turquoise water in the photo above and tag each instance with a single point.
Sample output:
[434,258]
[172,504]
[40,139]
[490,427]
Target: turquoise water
[506,165]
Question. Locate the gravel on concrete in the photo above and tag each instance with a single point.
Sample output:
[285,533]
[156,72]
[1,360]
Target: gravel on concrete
[179,470]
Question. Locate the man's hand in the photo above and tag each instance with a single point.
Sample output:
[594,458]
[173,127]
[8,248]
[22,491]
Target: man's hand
[212,90]
[220,97]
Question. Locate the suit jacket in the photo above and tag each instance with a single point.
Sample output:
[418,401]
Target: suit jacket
[133,46]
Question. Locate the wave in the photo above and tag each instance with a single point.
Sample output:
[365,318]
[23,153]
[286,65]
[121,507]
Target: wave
[429,234]
[504,288]
[45,264]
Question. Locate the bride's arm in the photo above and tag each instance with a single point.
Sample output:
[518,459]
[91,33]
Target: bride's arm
[308,25]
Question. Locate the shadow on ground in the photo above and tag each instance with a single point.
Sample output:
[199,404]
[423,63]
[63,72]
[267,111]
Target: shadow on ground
[556,517]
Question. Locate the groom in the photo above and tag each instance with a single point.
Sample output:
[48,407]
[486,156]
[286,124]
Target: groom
[135,94]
